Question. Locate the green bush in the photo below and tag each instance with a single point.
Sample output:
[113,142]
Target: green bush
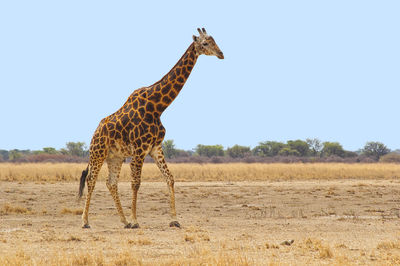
[210,150]
[300,146]
[268,148]
[332,149]
[238,151]
[287,151]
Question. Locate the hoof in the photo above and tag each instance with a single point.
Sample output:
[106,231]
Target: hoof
[129,225]
[133,226]
[86,226]
[174,224]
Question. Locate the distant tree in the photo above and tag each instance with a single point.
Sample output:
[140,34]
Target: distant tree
[50,150]
[350,154]
[183,153]
[375,149]
[64,151]
[333,148]
[169,149]
[14,155]
[300,146]
[210,150]
[76,148]
[315,146]
[238,151]
[287,151]
[4,154]
[268,148]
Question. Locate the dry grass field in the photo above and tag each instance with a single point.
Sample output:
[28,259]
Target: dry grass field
[66,172]
[237,214]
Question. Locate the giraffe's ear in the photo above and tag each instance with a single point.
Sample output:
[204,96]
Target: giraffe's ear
[195,38]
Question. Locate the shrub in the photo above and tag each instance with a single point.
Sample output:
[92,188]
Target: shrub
[210,150]
[268,148]
[333,149]
[287,151]
[50,158]
[238,151]
[300,146]
[350,154]
[390,158]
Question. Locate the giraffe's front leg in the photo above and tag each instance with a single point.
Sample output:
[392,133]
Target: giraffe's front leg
[136,171]
[158,156]
[170,182]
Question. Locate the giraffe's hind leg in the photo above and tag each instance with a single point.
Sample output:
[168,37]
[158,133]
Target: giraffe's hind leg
[158,156]
[114,168]
[94,169]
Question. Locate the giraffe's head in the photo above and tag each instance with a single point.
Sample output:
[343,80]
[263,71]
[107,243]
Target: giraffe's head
[205,44]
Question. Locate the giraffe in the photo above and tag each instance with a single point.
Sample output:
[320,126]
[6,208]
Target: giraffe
[135,130]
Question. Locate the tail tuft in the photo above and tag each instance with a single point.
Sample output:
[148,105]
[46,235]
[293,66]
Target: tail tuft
[82,183]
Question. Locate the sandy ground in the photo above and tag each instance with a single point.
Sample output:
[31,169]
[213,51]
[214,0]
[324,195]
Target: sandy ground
[331,222]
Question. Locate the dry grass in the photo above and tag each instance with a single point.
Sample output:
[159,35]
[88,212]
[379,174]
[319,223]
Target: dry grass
[139,242]
[196,234]
[71,211]
[7,208]
[73,238]
[209,172]
[202,256]
[324,250]
[387,245]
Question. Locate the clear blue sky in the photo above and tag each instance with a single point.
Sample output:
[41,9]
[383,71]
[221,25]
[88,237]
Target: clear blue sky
[292,70]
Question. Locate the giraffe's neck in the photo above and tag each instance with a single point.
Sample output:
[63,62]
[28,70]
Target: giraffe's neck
[163,92]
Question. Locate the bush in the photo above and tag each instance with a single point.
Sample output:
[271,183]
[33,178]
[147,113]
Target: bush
[210,150]
[287,151]
[50,158]
[216,159]
[302,147]
[268,148]
[332,149]
[350,154]
[238,151]
[390,158]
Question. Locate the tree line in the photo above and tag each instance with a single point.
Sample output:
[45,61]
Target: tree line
[73,152]
[309,150]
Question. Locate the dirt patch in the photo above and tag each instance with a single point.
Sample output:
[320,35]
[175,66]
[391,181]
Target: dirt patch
[324,222]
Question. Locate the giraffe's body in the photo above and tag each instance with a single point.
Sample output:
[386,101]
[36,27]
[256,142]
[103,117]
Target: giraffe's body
[135,130]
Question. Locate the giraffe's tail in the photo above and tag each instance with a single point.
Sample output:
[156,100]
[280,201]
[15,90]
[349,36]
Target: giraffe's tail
[82,183]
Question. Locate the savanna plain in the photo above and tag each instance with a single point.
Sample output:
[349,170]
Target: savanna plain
[231,214]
